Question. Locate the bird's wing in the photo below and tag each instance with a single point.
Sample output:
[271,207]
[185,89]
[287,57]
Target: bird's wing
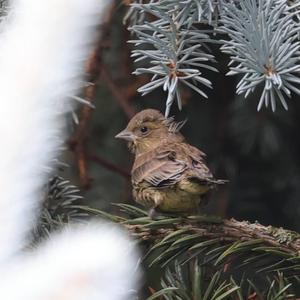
[170,163]
[196,163]
[197,168]
[159,167]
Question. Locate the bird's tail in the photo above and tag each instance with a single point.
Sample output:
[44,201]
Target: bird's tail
[207,182]
[218,181]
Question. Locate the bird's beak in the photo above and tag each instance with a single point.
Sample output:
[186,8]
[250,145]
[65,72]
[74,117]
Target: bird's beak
[125,135]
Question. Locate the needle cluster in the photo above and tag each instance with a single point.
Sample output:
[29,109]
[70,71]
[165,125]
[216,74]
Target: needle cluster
[261,38]
[264,47]
[172,48]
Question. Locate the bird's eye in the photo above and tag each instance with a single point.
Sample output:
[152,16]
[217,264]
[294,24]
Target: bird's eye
[144,129]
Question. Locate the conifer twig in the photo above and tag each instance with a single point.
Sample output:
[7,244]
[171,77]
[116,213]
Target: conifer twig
[226,242]
[228,230]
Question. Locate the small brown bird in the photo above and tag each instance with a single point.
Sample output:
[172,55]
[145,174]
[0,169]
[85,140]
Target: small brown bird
[168,174]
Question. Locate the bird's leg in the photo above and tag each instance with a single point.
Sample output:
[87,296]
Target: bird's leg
[153,213]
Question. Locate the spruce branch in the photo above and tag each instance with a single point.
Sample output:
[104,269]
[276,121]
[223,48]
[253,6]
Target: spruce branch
[264,47]
[195,281]
[58,207]
[176,284]
[210,227]
[190,11]
[216,239]
[204,254]
[133,16]
[172,49]
[263,44]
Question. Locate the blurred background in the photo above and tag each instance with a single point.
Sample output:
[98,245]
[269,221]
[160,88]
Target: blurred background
[258,152]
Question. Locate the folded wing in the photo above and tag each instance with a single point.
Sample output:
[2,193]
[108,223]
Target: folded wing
[170,163]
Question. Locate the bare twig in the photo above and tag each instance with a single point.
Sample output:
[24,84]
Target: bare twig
[78,141]
[110,166]
[118,93]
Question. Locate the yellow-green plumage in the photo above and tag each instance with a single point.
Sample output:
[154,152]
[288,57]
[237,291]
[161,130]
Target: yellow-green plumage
[168,174]
[172,199]
[171,177]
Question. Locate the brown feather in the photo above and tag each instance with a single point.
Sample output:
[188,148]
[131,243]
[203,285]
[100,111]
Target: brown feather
[157,168]
[169,163]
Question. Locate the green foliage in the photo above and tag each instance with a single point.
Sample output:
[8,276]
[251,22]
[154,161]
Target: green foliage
[193,283]
[212,266]
[199,258]
[58,207]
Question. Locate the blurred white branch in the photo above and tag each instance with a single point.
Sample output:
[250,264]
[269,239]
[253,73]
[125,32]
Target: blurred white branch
[43,46]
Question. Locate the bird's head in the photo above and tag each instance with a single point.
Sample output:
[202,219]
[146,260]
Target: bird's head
[148,129]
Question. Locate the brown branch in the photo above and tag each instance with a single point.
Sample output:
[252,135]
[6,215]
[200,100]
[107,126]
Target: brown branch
[110,166]
[225,230]
[123,94]
[118,93]
[78,141]
[130,91]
